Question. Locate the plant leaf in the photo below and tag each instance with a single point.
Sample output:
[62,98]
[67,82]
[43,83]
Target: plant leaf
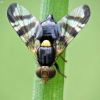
[53,90]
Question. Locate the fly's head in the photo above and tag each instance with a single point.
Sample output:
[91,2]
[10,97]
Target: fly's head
[45,73]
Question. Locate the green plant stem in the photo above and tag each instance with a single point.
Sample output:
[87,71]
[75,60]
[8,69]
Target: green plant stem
[53,90]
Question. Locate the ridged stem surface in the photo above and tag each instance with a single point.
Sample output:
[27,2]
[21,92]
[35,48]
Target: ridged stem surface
[53,90]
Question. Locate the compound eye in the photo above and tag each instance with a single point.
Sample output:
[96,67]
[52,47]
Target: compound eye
[38,72]
[52,72]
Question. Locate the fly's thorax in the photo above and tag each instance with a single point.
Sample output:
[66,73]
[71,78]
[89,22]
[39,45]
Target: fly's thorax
[45,73]
[46,54]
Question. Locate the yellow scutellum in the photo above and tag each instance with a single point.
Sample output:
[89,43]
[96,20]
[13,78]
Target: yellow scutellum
[46,43]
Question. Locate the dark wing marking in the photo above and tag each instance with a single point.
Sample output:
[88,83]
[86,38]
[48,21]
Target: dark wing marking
[26,25]
[71,24]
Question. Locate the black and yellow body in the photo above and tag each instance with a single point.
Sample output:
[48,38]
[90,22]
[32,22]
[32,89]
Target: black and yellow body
[46,57]
[53,37]
[46,54]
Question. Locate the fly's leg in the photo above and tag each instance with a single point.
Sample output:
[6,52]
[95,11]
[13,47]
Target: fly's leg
[63,59]
[58,69]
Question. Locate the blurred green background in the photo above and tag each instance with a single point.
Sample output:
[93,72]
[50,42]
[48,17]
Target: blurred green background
[83,55]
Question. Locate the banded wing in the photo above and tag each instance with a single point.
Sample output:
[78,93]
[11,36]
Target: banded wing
[26,25]
[71,24]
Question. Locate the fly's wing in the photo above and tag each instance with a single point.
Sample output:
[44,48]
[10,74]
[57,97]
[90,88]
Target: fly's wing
[70,25]
[26,25]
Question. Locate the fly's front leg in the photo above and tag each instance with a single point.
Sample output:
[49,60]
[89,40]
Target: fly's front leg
[58,69]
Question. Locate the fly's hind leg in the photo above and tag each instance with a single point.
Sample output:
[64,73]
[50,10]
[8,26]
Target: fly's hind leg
[58,69]
[63,59]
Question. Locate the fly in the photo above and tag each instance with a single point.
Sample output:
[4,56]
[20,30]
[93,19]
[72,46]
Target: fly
[48,39]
